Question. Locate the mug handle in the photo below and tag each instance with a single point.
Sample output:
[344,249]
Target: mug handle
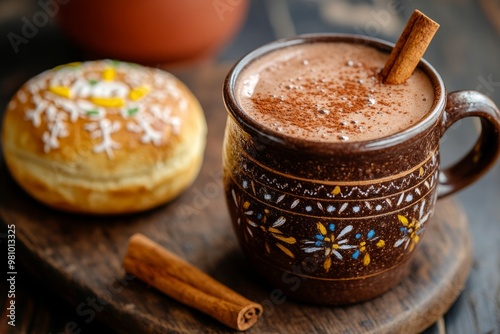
[480,158]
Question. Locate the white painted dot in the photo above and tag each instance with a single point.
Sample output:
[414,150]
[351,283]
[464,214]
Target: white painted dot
[267,197]
[245,184]
[409,197]
[355,208]
[308,208]
[378,207]
[330,208]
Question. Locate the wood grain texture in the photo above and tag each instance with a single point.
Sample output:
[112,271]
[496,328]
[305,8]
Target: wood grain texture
[80,257]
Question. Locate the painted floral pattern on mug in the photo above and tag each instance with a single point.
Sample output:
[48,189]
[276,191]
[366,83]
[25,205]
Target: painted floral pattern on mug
[258,220]
[333,246]
[411,230]
[345,232]
[331,241]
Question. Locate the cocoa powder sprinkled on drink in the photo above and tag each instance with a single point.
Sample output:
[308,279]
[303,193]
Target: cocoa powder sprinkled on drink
[304,97]
[332,95]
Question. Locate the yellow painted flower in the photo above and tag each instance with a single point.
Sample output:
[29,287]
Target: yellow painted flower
[411,233]
[362,250]
[259,220]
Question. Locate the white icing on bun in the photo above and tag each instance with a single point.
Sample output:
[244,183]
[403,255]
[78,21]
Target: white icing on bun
[104,137]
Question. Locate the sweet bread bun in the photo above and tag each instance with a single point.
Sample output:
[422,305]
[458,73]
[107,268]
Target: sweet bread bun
[104,137]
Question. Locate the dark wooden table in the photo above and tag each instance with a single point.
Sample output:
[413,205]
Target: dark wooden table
[466,51]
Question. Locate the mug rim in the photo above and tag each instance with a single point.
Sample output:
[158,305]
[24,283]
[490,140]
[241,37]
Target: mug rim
[269,135]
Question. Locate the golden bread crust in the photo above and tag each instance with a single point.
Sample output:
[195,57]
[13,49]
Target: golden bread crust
[104,137]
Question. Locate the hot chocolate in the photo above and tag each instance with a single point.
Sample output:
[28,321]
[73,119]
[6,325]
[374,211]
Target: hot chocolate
[341,217]
[331,92]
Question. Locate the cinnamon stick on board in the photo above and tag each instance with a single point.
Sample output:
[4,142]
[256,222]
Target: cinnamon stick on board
[409,48]
[187,284]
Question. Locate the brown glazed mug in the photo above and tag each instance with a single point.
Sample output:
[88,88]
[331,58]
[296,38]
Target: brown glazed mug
[334,223]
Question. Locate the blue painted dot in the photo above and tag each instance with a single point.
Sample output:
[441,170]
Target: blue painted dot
[331,227]
[403,229]
[259,216]
[371,234]
[320,237]
[356,254]
[318,244]
[358,235]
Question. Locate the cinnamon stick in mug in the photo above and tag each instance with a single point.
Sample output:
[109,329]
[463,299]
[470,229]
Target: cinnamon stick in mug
[187,284]
[409,48]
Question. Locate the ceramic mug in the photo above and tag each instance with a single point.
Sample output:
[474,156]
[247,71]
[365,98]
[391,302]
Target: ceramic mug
[335,223]
[153,31]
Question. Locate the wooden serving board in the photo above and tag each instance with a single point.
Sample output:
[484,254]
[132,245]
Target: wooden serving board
[81,257]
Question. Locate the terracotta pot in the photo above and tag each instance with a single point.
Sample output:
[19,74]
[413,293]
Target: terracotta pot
[338,222]
[152,31]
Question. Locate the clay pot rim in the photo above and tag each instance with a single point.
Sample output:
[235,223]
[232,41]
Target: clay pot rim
[281,140]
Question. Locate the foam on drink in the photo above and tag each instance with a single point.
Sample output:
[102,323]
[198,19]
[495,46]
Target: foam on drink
[331,92]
